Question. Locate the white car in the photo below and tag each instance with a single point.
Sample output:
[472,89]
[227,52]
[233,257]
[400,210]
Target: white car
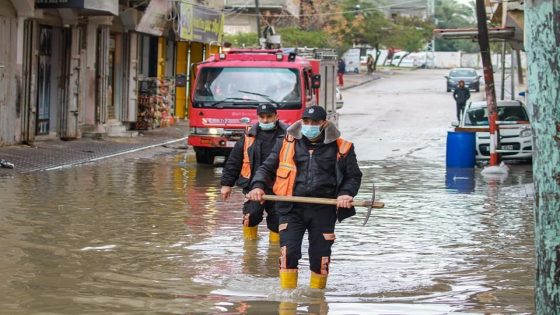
[516,138]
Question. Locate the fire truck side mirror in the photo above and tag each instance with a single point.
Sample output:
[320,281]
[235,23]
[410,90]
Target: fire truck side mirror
[315,81]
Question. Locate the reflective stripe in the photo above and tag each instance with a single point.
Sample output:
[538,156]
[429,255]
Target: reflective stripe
[246,219]
[246,168]
[283,262]
[325,265]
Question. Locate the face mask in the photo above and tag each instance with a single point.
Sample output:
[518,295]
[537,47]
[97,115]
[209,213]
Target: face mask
[267,126]
[310,131]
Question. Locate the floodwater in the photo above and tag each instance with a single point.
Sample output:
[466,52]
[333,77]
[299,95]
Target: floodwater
[151,236]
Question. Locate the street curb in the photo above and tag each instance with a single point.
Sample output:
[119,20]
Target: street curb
[95,159]
[361,83]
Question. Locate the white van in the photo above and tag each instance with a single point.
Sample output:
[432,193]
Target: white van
[397,58]
[414,60]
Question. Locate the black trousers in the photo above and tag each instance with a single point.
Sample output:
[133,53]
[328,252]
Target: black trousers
[253,213]
[460,109]
[319,222]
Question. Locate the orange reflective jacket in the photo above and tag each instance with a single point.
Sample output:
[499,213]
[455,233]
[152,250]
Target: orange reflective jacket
[246,167]
[287,169]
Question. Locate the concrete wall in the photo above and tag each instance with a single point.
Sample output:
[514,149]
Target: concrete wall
[448,59]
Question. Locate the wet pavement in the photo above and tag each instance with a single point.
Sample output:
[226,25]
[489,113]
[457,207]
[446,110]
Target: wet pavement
[147,233]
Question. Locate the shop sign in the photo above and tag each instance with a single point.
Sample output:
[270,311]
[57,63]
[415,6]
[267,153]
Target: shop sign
[200,24]
[48,4]
[154,19]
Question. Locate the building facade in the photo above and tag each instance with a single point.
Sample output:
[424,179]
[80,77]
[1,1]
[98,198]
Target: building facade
[76,68]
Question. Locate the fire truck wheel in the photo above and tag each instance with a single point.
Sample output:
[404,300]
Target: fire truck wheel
[204,157]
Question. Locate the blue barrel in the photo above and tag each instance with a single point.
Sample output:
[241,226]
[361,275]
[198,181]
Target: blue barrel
[461,149]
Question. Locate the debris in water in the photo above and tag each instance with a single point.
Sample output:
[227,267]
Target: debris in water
[6,164]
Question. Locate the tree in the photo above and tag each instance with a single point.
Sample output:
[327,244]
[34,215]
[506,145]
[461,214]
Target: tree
[294,37]
[241,40]
[410,34]
[450,15]
[541,27]
[358,24]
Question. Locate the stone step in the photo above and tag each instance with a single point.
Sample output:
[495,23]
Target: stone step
[124,134]
[94,135]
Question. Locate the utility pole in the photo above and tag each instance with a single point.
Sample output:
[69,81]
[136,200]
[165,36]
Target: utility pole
[431,13]
[484,44]
[258,11]
[503,90]
[542,40]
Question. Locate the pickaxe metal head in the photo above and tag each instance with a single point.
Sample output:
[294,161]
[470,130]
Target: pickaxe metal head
[370,207]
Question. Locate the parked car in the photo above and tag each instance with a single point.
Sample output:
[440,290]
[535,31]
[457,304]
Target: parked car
[397,58]
[516,141]
[469,75]
[413,60]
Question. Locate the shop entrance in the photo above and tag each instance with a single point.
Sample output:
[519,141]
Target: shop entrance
[111,114]
[44,80]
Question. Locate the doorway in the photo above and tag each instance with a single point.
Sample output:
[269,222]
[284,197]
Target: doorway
[44,80]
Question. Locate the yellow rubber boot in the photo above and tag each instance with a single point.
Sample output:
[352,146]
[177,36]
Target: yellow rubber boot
[287,308]
[274,237]
[317,281]
[250,232]
[288,278]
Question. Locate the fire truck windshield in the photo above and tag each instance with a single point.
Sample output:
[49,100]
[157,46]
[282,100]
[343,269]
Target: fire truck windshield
[247,87]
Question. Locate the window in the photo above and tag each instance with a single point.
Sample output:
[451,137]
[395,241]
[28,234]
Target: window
[479,116]
[463,73]
[247,87]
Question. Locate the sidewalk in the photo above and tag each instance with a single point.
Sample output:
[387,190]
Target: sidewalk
[353,79]
[54,154]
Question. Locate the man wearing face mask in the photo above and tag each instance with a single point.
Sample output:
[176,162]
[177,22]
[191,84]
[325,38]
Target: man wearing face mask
[311,161]
[243,161]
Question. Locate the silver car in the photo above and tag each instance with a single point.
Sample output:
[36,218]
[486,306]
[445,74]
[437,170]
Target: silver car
[468,75]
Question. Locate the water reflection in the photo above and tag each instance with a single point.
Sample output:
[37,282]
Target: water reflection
[152,235]
[461,180]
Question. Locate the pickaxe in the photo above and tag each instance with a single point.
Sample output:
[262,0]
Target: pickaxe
[370,204]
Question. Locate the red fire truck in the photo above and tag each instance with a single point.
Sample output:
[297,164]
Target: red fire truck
[229,86]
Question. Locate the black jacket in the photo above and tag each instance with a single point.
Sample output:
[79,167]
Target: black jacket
[319,174]
[461,95]
[232,168]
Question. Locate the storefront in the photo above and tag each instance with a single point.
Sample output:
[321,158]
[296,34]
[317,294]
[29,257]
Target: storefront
[200,31]
[167,49]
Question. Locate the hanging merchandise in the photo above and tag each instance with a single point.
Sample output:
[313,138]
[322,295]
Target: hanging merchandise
[155,103]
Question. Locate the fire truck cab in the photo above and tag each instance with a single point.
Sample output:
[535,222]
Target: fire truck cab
[229,86]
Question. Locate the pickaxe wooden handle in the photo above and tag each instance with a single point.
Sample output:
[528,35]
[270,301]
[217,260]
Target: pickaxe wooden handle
[324,201]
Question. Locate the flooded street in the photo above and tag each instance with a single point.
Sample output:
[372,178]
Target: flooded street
[153,236]
[150,235]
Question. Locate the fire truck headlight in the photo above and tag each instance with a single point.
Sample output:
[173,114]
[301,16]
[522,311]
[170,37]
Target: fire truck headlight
[215,131]
[279,57]
[222,56]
